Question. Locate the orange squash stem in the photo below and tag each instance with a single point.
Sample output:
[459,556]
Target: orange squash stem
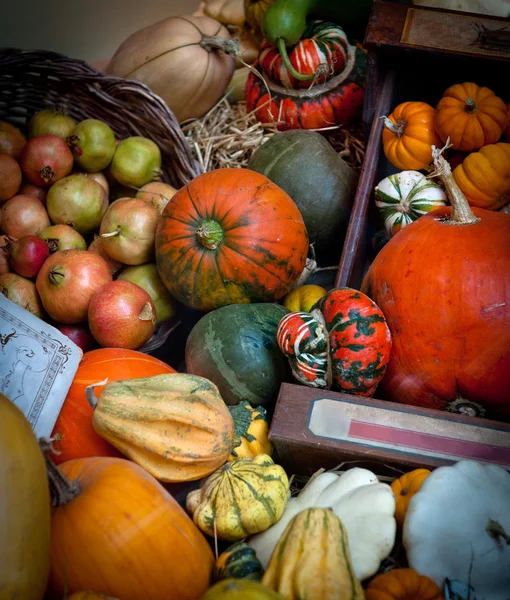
[62,491]
[461,211]
[470,106]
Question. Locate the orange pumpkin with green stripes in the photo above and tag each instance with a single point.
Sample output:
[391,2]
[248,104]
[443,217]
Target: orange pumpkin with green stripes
[230,236]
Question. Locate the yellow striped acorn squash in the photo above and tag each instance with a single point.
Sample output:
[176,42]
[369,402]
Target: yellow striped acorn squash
[176,426]
[243,497]
[312,560]
[251,430]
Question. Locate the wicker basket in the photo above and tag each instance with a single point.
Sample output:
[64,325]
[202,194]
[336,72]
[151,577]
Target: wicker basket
[31,80]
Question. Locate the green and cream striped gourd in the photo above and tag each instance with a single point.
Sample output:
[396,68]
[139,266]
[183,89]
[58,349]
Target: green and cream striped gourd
[404,197]
[241,498]
[312,560]
[239,561]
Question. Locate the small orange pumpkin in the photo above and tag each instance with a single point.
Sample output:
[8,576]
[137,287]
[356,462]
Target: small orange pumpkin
[409,134]
[471,116]
[484,176]
[402,584]
[404,488]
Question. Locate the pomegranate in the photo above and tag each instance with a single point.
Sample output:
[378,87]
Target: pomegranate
[100,178]
[68,280]
[62,237]
[45,160]
[136,161]
[27,255]
[93,145]
[29,189]
[79,334]
[12,140]
[23,215]
[4,262]
[22,292]
[157,193]
[128,230]
[51,121]
[77,201]
[10,177]
[147,277]
[96,246]
[122,315]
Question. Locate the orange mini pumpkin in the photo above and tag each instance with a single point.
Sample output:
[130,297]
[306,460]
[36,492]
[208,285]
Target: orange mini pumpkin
[484,176]
[404,488]
[471,116]
[402,584]
[409,134]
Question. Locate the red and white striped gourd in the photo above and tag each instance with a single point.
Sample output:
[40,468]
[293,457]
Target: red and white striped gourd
[323,48]
[404,197]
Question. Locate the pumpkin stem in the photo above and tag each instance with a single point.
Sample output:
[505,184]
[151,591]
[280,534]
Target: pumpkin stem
[470,106]
[62,490]
[209,234]
[90,395]
[397,128]
[461,213]
[226,45]
[282,49]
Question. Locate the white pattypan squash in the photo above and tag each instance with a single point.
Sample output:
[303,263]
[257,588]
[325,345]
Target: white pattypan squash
[457,526]
[406,196]
[365,506]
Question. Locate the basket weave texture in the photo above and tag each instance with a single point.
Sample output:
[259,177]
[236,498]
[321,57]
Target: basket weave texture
[31,80]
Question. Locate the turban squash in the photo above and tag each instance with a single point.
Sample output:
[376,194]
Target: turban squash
[456,260]
[337,101]
[230,236]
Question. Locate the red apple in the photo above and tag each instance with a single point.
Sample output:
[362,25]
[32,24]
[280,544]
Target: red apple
[122,315]
[68,280]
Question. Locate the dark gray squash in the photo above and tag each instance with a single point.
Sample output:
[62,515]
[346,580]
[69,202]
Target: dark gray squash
[321,183]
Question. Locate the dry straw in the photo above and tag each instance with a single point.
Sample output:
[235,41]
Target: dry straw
[227,136]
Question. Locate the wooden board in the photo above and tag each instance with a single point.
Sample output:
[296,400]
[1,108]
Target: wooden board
[402,27]
[314,428]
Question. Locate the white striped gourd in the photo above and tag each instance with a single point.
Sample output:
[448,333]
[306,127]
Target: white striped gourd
[404,197]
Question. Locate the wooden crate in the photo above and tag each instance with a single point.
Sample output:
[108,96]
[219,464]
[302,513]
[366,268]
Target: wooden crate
[314,428]
[400,69]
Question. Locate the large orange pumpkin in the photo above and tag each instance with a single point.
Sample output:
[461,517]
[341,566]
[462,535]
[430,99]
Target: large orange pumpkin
[117,531]
[74,433]
[443,285]
[408,135]
[230,236]
[471,116]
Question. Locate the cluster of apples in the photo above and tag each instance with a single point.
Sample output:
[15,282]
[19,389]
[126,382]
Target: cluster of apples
[78,214]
